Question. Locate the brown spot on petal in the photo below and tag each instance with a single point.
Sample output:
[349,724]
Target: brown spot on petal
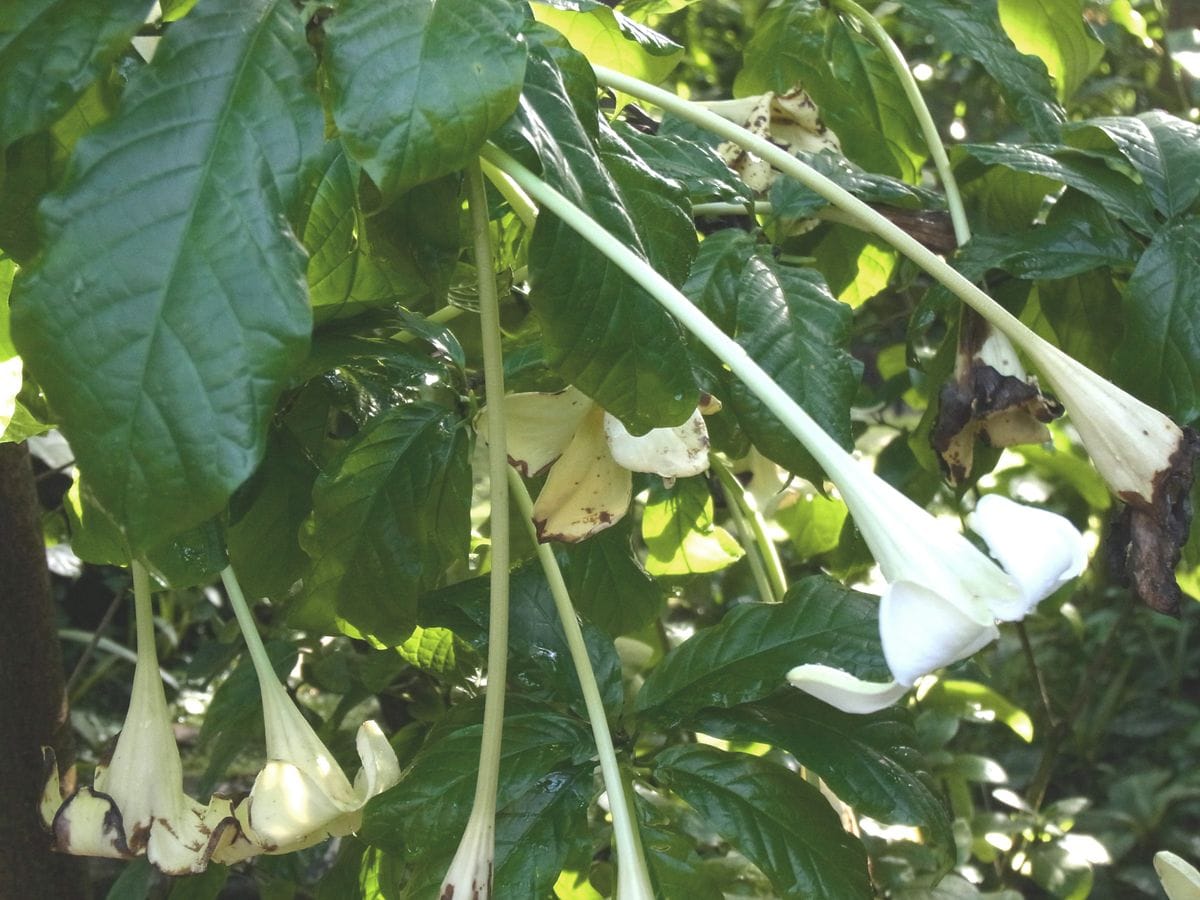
[1145,540]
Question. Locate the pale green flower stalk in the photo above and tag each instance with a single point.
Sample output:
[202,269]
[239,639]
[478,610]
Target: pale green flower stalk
[1144,457]
[935,570]
[633,878]
[302,795]
[470,874]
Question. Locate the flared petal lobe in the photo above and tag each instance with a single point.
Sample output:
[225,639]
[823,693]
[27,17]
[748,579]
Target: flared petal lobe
[844,691]
[922,630]
[540,426]
[678,452]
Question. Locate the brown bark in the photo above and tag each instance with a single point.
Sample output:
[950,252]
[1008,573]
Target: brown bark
[32,700]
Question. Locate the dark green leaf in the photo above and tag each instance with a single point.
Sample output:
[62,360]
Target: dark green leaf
[1071,307]
[748,654]
[417,87]
[869,761]
[427,810]
[206,886]
[51,50]
[780,822]
[1163,149]
[676,866]
[1159,359]
[608,586]
[972,28]
[168,305]
[697,167]
[390,516]
[1120,194]
[264,536]
[540,659]
[793,200]
[602,332]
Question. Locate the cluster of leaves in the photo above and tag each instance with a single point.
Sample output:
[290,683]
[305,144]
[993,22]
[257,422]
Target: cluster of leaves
[243,290]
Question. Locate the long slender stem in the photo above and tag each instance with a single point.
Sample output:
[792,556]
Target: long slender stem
[746,514]
[871,220]
[912,92]
[493,377]
[254,643]
[632,874]
[521,205]
[143,607]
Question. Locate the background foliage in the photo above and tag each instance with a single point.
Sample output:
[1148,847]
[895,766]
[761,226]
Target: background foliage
[298,399]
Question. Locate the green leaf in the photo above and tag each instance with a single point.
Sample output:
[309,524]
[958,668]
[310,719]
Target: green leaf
[1054,31]
[417,87]
[1091,175]
[679,533]
[1159,358]
[1164,150]
[540,659]
[608,38]
[780,822]
[607,584]
[206,886]
[51,50]
[601,332]
[167,307]
[440,652]
[813,522]
[748,654]
[972,28]
[266,514]
[977,702]
[390,516]
[869,761]
[427,810]
[697,167]
[790,199]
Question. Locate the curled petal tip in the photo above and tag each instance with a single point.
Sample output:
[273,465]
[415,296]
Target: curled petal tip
[1179,878]
[921,630]
[844,691]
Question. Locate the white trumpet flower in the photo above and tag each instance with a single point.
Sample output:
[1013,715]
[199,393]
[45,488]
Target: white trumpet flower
[136,804]
[470,874]
[943,595]
[590,457]
[301,796]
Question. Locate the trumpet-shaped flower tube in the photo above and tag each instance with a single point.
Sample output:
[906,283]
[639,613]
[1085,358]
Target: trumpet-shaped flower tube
[136,804]
[936,613]
[590,457]
[301,796]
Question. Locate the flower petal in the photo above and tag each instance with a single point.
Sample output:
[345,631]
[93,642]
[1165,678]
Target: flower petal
[184,843]
[289,810]
[1179,878]
[678,452]
[844,691]
[89,824]
[922,631]
[586,490]
[539,426]
[380,768]
[1039,549]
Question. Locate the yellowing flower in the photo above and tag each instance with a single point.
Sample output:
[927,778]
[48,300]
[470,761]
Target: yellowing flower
[590,456]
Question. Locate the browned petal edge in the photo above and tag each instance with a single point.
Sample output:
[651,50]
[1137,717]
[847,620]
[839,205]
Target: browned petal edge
[1145,540]
[598,520]
[478,891]
[1002,410]
[113,824]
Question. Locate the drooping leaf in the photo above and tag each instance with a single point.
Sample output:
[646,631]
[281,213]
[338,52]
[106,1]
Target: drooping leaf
[793,200]
[607,584]
[417,87]
[869,761]
[680,534]
[1164,149]
[747,655]
[971,700]
[425,813]
[609,38]
[601,332]
[51,50]
[390,515]
[697,167]
[1093,176]
[972,28]
[1054,32]
[772,815]
[184,308]
[1159,358]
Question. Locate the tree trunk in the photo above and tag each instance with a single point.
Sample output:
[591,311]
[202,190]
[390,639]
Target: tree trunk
[33,708]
